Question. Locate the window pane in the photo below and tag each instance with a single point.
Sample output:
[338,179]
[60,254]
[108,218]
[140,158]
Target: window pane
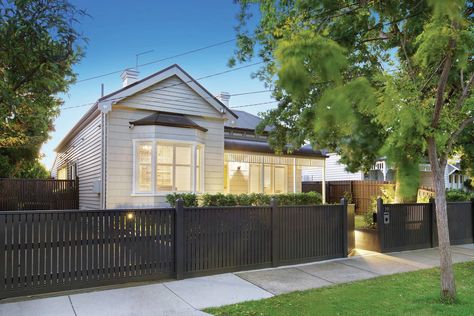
[280,177]
[183,155]
[144,153]
[164,178]
[255,179]
[164,154]
[198,155]
[143,167]
[62,174]
[183,178]
[267,181]
[144,178]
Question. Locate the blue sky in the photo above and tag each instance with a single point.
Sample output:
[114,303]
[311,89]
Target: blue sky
[117,30]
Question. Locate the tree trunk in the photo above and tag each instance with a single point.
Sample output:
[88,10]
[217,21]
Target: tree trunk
[448,286]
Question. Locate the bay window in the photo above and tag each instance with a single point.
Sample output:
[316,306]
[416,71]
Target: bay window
[164,166]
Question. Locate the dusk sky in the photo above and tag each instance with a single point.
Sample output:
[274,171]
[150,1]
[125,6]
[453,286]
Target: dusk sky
[118,30]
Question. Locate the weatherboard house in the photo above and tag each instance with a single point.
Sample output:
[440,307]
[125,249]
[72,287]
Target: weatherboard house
[166,133]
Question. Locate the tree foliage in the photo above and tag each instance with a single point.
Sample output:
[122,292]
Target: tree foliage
[361,77]
[369,78]
[38,47]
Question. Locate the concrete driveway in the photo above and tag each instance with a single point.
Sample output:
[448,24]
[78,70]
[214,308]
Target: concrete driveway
[188,297]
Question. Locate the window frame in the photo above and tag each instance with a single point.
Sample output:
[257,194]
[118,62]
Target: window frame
[194,168]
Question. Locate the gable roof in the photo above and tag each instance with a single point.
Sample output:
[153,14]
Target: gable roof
[139,85]
[173,70]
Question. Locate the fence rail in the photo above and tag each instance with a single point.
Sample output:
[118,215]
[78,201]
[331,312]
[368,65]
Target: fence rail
[38,194]
[47,251]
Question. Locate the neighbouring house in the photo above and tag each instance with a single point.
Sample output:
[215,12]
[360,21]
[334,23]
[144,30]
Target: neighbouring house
[166,133]
[382,171]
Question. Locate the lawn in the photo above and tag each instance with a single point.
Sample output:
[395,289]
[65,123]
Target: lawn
[413,293]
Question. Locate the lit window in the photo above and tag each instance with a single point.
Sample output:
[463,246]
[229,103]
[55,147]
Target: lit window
[62,173]
[280,179]
[143,179]
[177,167]
[255,178]
[267,180]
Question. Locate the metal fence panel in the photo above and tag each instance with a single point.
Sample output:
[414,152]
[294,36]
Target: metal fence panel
[47,251]
[219,239]
[309,233]
[409,227]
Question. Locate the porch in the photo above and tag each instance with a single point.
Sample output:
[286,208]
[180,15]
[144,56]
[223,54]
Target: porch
[247,172]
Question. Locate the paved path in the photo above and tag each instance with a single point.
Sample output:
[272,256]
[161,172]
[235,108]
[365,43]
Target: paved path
[188,297]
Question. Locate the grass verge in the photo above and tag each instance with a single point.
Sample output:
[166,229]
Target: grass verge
[412,293]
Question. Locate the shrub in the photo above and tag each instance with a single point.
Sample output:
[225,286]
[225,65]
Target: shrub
[252,199]
[190,199]
[458,195]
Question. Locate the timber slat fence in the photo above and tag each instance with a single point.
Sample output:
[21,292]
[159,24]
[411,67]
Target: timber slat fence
[47,251]
[361,191]
[38,194]
[413,226]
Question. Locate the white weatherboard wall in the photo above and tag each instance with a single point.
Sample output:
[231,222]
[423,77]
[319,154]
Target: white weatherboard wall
[335,171]
[171,95]
[84,150]
[119,185]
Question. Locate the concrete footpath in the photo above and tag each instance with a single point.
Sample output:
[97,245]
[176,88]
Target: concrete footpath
[188,297]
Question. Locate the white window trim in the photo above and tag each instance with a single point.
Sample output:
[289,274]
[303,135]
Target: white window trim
[154,141]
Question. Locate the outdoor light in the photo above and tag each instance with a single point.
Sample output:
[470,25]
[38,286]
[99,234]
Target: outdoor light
[130,215]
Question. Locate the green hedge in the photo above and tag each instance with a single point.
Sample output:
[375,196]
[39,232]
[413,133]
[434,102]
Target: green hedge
[458,195]
[255,199]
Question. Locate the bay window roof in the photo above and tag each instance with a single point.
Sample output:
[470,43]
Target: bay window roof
[168,119]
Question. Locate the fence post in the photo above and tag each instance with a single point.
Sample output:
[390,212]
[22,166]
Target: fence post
[380,223]
[76,195]
[179,239]
[432,220]
[275,232]
[344,228]
[472,217]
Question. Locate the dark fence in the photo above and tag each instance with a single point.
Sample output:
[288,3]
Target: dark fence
[362,192]
[38,194]
[413,226]
[47,251]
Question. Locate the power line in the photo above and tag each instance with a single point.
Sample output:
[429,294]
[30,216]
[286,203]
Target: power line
[184,82]
[159,60]
[252,104]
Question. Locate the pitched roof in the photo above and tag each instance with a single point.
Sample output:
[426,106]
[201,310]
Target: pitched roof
[93,111]
[168,119]
[245,121]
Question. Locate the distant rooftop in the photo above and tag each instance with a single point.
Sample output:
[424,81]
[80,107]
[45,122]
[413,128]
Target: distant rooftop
[245,121]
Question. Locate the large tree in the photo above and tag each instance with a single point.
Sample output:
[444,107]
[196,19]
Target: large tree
[369,79]
[38,47]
